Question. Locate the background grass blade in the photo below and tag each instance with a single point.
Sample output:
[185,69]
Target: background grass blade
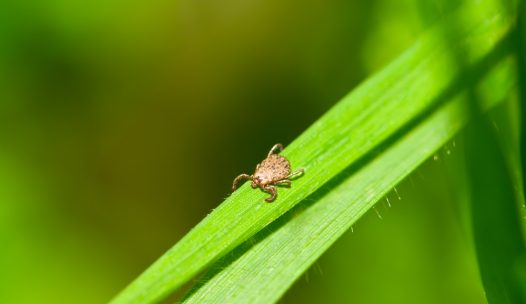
[520,53]
[496,228]
[496,196]
[494,180]
[374,115]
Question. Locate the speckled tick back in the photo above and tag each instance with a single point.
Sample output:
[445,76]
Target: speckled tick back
[273,171]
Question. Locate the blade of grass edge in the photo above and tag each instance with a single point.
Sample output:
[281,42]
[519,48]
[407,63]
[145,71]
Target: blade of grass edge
[263,272]
[379,108]
[497,231]
[520,53]
[495,196]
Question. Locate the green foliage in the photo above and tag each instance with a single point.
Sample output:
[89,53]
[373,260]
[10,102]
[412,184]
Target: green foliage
[496,195]
[353,155]
[496,227]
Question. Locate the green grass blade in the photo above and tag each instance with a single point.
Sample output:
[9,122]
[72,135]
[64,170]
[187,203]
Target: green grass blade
[495,193]
[496,197]
[495,217]
[375,114]
[520,53]
[261,273]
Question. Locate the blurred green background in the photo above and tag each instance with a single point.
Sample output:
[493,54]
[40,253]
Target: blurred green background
[124,123]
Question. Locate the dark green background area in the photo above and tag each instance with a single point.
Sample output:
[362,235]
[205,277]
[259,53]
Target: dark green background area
[122,124]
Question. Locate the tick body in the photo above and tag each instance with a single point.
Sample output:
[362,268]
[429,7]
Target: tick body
[271,172]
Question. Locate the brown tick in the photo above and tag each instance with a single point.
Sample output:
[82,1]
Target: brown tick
[271,172]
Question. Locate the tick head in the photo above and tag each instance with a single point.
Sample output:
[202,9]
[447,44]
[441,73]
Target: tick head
[255,182]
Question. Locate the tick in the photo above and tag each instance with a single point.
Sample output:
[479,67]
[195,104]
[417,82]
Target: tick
[271,172]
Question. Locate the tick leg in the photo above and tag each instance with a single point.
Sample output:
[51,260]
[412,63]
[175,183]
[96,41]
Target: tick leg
[239,178]
[283,182]
[296,173]
[272,190]
[274,148]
